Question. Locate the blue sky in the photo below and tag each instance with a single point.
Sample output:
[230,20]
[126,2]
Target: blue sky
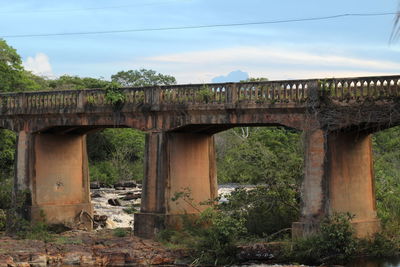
[350,46]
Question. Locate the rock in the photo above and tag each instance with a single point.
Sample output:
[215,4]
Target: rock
[94,185]
[127,184]
[132,196]
[95,195]
[9,261]
[119,188]
[104,185]
[100,218]
[117,258]
[72,258]
[23,264]
[99,221]
[39,260]
[114,202]
[87,259]
[158,260]
[139,186]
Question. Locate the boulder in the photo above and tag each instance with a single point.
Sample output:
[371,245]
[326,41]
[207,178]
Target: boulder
[131,196]
[126,184]
[95,185]
[96,195]
[114,202]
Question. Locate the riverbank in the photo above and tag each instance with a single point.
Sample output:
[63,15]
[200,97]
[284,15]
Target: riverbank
[101,248]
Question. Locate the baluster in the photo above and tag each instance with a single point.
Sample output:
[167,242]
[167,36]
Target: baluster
[397,83]
[256,92]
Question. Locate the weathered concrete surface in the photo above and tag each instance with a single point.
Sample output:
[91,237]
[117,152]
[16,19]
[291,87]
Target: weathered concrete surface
[313,192]
[188,164]
[338,179]
[351,184]
[59,179]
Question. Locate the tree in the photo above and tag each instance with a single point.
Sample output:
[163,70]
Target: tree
[142,77]
[67,82]
[13,77]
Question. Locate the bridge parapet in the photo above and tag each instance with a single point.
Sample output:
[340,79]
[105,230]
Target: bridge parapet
[261,93]
[374,88]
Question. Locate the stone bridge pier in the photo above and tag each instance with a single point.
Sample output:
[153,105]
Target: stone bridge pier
[338,179]
[53,170]
[175,162]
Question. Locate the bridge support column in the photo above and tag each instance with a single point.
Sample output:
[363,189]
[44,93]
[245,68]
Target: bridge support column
[53,168]
[338,178]
[175,162]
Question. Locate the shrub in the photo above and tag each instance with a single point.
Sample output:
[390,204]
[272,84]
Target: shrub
[265,209]
[120,232]
[335,242]
[5,193]
[2,220]
[114,95]
[104,172]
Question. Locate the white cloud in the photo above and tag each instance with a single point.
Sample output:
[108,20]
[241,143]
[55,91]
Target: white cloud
[273,62]
[39,65]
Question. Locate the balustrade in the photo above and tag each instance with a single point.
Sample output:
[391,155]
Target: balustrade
[261,93]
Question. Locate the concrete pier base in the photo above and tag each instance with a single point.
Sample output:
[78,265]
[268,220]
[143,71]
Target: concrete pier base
[54,168]
[175,163]
[338,179]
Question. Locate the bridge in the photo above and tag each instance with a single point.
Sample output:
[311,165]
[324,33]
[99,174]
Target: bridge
[337,117]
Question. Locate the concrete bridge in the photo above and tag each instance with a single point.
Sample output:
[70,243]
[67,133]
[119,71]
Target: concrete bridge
[337,117]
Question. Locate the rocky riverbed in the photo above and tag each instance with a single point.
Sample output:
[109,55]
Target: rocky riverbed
[114,206]
[112,243]
[101,248]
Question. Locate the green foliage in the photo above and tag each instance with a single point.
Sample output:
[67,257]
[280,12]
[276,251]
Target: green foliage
[116,154]
[380,246]
[266,209]
[114,95]
[204,94]
[2,220]
[131,209]
[6,187]
[255,79]
[334,243]
[13,77]
[7,152]
[211,235]
[120,232]
[142,77]
[386,146]
[67,82]
[259,155]
[104,172]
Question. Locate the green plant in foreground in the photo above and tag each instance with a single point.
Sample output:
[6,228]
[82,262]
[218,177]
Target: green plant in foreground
[335,242]
[120,232]
[211,234]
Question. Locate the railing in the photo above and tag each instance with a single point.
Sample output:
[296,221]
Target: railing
[346,89]
[262,93]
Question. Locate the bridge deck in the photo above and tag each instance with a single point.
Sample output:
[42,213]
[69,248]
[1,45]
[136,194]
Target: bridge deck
[229,103]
